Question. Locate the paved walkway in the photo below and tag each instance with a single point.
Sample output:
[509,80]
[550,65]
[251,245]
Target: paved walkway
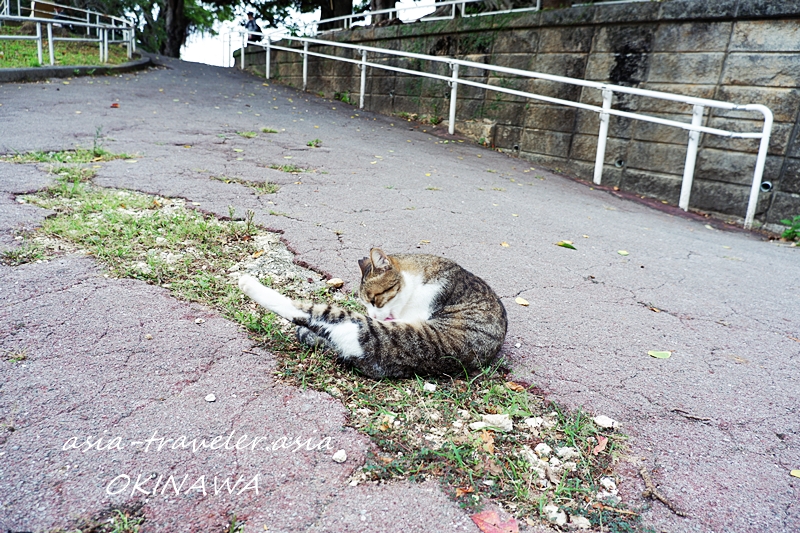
[718,422]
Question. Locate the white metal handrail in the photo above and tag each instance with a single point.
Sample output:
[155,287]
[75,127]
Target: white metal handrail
[103,32]
[605,110]
[455,4]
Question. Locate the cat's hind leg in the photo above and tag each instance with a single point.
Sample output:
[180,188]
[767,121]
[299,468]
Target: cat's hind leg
[309,338]
[270,299]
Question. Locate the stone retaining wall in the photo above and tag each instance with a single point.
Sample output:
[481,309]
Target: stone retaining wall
[743,51]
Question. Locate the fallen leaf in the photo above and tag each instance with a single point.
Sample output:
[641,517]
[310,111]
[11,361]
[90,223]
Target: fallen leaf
[489,522]
[460,491]
[504,244]
[601,445]
[521,301]
[428,174]
[287,157]
[655,309]
[115,105]
[235,149]
[622,252]
[423,241]
[659,355]
[488,441]
[516,387]
[258,254]
[795,473]
[566,244]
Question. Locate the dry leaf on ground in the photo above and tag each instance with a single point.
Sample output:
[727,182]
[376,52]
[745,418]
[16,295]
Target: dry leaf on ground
[659,355]
[460,491]
[601,445]
[516,387]
[521,301]
[489,522]
[566,244]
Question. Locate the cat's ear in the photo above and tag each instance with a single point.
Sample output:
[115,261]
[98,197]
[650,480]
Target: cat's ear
[365,265]
[379,259]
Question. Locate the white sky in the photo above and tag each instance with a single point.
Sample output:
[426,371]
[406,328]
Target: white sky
[213,50]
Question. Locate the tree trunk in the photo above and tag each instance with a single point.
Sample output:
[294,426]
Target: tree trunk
[175,21]
[334,8]
[376,5]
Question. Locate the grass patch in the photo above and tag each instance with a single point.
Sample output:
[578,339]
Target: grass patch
[424,429]
[79,155]
[27,253]
[23,54]
[15,355]
[247,134]
[292,169]
[260,187]
[314,143]
[268,130]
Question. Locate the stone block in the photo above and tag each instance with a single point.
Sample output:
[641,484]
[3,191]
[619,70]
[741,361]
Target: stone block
[653,132]
[514,84]
[545,142]
[694,10]
[657,105]
[511,60]
[611,14]
[507,137]
[470,91]
[474,71]
[481,130]
[724,198]
[599,66]
[733,167]
[568,17]
[471,109]
[784,206]
[530,19]
[554,89]
[778,140]
[656,157]
[566,40]
[790,180]
[765,70]
[504,112]
[651,184]
[589,122]
[405,104]
[516,42]
[783,103]
[380,104]
[568,65]
[546,161]
[793,147]
[766,36]
[584,148]
[701,68]
[768,8]
[692,37]
[547,117]
[624,39]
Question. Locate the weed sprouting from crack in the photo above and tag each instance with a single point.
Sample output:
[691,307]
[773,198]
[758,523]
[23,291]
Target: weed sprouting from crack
[292,169]
[422,432]
[260,187]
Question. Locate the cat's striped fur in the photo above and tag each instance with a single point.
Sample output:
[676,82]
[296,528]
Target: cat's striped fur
[426,315]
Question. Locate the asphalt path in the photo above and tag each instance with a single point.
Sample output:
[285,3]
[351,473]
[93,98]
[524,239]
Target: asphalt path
[717,423]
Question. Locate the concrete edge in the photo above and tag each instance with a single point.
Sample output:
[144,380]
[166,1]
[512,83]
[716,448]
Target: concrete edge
[13,75]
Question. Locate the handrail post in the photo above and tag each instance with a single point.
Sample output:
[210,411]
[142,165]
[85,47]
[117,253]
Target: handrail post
[244,45]
[105,44]
[608,94]
[363,78]
[129,33]
[39,41]
[451,126]
[305,64]
[50,43]
[759,172]
[268,51]
[691,157]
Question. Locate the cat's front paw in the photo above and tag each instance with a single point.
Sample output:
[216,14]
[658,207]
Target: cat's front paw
[249,285]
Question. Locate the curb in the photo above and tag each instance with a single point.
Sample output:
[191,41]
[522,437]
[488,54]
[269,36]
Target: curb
[12,75]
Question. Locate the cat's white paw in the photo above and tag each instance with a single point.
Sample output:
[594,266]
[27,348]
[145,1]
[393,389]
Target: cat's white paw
[249,285]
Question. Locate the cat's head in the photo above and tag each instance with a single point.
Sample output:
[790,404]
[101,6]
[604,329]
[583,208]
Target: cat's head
[380,284]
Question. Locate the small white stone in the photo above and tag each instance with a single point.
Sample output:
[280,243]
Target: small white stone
[549,422]
[463,413]
[543,450]
[566,453]
[211,398]
[534,422]
[488,482]
[555,516]
[555,462]
[475,426]
[148,337]
[605,422]
[579,522]
[199,320]
[499,422]
[340,456]
[458,424]
[429,387]
[608,484]
[161,241]
[335,283]
[518,345]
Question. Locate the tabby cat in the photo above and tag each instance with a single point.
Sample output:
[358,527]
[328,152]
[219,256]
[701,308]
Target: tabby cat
[426,315]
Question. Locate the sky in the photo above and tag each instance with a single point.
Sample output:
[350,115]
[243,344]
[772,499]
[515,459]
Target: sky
[213,49]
